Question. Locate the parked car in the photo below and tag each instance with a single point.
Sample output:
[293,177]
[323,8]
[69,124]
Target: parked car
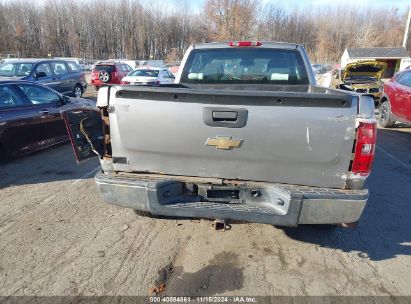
[108,73]
[361,77]
[64,76]
[319,68]
[149,76]
[396,100]
[255,140]
[82,63]
[151,63]
[30,117]
[87,66]
[173,68]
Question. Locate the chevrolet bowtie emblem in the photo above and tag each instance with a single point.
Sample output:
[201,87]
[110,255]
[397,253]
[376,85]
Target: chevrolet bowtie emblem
[224,142]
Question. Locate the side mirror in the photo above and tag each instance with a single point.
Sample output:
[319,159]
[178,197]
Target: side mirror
[39,74]
[63,99]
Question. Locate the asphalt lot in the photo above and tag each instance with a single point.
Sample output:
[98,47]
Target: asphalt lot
[58,238]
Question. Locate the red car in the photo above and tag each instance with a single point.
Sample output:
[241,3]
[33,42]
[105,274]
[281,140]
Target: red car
[109,73]
[396,100]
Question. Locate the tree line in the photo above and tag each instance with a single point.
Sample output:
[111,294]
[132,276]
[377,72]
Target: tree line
[101,29]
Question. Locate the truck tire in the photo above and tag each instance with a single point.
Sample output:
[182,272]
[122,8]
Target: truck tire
[385,117]
[143,213]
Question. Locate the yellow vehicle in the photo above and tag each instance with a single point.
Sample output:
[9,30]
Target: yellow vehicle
[361,77]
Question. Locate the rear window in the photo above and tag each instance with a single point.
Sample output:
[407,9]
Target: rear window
[16,69]
[108,68]
[245,65]
[144,73]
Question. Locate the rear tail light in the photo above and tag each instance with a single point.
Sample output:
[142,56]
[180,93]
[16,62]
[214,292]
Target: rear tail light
[364,148]
[245,43]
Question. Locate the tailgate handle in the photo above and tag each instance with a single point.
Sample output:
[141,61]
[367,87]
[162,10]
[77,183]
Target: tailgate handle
[225,117]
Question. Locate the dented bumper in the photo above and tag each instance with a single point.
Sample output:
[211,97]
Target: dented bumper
[278,204]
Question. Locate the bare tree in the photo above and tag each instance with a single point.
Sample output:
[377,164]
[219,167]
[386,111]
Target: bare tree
[100,29]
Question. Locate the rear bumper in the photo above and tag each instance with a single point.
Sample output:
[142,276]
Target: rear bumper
[278,204]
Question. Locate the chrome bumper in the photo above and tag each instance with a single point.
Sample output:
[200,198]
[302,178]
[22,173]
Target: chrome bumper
[278,204]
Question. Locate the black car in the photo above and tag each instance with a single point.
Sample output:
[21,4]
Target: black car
[63,76]
[30,117]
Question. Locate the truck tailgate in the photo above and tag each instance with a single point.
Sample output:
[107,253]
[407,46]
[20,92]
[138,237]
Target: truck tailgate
[283,137]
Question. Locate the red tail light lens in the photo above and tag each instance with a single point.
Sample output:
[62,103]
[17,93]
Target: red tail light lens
[364,148]
[245,43]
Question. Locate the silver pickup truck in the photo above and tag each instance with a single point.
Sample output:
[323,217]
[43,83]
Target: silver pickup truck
[244,134]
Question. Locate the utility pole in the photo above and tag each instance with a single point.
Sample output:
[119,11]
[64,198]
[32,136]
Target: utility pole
[407,27]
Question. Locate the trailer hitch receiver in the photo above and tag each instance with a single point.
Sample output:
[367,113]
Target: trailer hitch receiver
[221,225]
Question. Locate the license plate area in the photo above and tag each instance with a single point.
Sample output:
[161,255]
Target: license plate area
[267,199]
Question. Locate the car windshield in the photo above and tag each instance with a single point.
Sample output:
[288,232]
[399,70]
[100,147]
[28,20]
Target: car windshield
[144,73]
[16,69]
[245,66]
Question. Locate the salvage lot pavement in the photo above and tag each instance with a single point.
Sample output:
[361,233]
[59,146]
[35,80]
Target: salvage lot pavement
[58,238]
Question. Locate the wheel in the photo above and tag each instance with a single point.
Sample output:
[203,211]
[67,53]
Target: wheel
[78,90]
[104,76]
[385,118]
[143,213]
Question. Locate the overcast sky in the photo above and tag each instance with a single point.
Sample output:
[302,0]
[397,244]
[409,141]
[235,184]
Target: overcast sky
[197,5]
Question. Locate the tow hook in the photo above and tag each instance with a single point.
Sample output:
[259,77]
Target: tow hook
[221,225]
